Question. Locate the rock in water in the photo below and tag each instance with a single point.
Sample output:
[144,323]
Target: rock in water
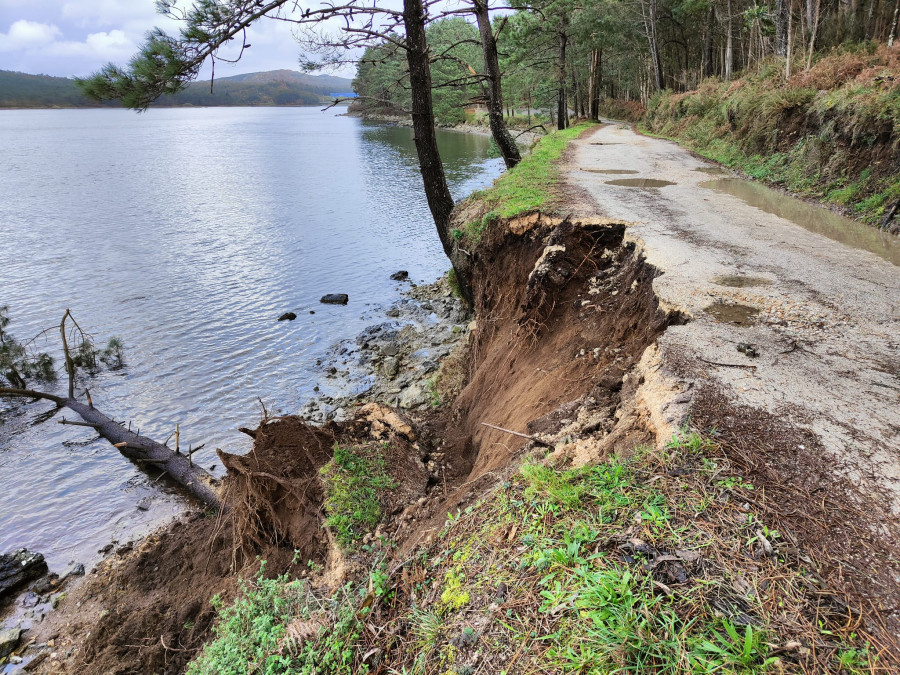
[335,299]
[402,275]
[9,640]
[287,316]
[17,569]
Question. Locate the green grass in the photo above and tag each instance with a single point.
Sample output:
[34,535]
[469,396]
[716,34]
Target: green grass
[281,627]
[355,480]
[558,571]
[529,186]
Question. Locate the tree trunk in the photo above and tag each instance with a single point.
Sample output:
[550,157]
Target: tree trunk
[504,140]
[576,95]
[706,68]
[812,38]
[595,83]
[893,34]
[440,201]
[782,18]
[650,22]
[729,46]
[144,451]
[790,41]
[562,105]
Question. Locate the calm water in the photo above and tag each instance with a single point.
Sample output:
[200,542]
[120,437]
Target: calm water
[187,233]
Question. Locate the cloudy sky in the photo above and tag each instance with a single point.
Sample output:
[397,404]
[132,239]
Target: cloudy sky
[75,37]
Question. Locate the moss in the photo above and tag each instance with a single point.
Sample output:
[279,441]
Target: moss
[454,596]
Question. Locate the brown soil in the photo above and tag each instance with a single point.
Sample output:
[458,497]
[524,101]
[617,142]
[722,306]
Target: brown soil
[572,310]
[831,531]
[149,610]
[566,310]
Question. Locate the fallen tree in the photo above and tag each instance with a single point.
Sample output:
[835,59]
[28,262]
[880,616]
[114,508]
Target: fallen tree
[17,366]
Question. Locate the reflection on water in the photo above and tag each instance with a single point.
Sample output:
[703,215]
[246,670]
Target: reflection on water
[187,232]
[813,218]
[643,183]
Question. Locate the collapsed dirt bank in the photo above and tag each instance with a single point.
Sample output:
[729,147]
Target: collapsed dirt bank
[591,340]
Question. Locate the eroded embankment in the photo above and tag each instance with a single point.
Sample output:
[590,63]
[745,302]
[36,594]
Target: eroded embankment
[565,309]
[609,548]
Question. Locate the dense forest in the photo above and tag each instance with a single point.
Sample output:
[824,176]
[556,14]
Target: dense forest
[587,51]
[281,87]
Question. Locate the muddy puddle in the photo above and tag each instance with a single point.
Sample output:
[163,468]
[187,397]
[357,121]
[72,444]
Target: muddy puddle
[737,314]
[613,172]
[740,281]
[813,218]
[643,183]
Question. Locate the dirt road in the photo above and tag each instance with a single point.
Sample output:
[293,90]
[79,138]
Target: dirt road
[815,415]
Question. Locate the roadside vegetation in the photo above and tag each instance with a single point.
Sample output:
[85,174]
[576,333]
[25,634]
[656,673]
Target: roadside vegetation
[654,562]
[831,132]
[527,187]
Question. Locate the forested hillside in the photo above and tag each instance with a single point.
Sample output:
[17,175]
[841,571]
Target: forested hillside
[281,87]
[626,51]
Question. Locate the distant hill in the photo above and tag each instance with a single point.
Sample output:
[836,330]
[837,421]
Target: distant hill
[272,88]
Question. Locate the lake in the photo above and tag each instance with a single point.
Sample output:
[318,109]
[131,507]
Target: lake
[186,233]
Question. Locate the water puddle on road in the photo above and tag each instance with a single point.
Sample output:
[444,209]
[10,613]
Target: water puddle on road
[737,314]
[611,171]
[813,218]
[643,183]
[740,281]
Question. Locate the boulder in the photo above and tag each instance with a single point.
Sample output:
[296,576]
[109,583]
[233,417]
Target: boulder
[335,299]
[412,397]
[402,275]
[17,569]
[9,640]
[287,316]
[391,367]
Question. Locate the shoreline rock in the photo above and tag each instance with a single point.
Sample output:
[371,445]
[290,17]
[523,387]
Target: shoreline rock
[393,361]
[19,568]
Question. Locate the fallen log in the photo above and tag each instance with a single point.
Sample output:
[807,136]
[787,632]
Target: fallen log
[144,451]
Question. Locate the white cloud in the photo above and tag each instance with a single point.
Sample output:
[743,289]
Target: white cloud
[25,34]
[103,46]
[93,13]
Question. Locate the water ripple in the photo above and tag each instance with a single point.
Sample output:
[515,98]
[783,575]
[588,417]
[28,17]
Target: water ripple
[186,233]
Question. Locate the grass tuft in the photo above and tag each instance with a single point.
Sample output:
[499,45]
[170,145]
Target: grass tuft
[355,480]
